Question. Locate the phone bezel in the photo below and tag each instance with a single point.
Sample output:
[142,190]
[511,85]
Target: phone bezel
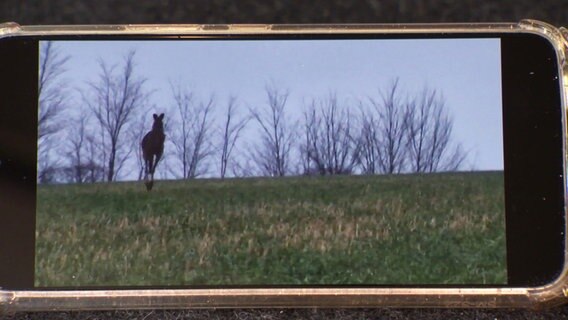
[510,295]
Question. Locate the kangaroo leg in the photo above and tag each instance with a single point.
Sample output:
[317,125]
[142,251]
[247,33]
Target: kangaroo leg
[146,169]
[153,170]
[150,170]
[158,157]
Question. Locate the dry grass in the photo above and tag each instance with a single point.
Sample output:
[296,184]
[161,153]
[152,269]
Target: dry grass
[445,228]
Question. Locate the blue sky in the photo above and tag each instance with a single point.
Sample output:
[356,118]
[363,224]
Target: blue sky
[466,71]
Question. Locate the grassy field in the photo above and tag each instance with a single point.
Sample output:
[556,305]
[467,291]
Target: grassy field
[406,229]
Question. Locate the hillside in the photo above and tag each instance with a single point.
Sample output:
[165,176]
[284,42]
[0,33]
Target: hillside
[405,229]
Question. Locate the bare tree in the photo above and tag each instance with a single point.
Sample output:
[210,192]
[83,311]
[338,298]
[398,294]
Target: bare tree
[77,142]
[51,89]
[245,166]
[81,153]
[231,131]
[306,164]
[330,146]
[94,170]
[383,137]
[272,153]
[47,168]
[369,140]
[114,99]
[192,135]
[52,99]
[429,132]
[137,131]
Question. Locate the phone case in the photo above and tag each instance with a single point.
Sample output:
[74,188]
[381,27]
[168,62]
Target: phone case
[553,294]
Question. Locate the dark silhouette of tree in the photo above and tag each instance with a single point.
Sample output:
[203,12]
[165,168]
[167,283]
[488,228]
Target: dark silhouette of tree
[138,129]
[272,153]
[77,142]
[383,137]
[330,145]
[192,132]
[115,99]
[81,153]
[429,133]
[52,99]
[230,133]
[51,89]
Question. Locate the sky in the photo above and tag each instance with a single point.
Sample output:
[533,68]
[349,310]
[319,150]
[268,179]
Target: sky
[466,72]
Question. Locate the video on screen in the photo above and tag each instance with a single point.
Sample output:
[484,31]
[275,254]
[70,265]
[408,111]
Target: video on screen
[270,162]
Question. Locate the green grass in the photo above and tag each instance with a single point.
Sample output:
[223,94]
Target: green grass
[405,229]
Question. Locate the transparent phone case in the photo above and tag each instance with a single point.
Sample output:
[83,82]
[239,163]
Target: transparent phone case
[549,295]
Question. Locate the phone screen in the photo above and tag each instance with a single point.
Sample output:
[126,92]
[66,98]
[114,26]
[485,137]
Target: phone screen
[284,162]
[346,161]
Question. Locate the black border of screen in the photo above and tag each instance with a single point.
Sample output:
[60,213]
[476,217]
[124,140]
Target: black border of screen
[533,154]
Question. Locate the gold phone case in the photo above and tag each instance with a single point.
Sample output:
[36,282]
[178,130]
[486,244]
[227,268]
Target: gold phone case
[549,295]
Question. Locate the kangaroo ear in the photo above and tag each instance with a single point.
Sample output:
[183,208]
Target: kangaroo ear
[155,116]
[161,116]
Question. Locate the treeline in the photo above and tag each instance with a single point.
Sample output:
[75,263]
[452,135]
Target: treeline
[392,132]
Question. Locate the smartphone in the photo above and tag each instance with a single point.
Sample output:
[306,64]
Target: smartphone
[282,165]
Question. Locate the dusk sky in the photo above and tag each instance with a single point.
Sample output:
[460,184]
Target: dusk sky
[466,71]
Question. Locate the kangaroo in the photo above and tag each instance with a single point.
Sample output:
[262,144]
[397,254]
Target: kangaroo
[152,149]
